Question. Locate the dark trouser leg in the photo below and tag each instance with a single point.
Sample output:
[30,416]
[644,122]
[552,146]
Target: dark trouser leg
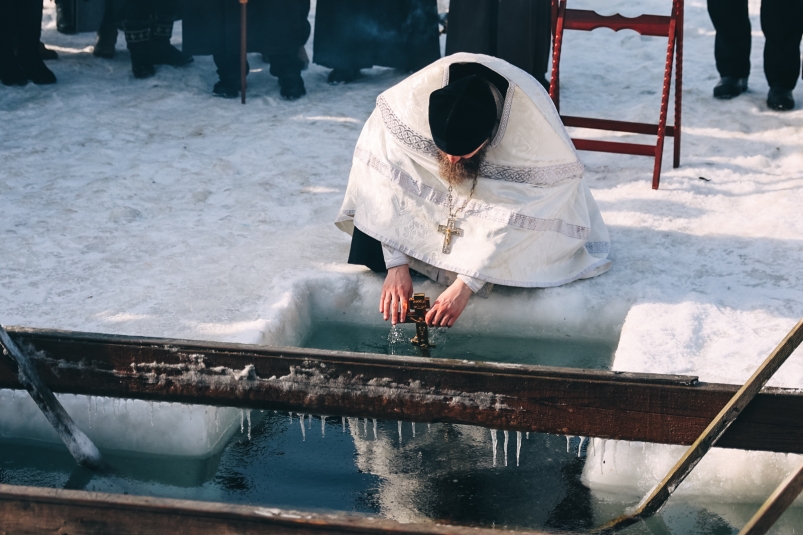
[29,31]
[10,72]
[288,29]
[162,52]
[732,44]
[137,26]
[782,23]
[107,33]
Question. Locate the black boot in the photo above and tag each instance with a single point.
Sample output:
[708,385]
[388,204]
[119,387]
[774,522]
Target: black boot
[47,53]
[34,68]
[729,87]
[780,99]
[10,72]
[162,52]
[342,76]
[226,88]
[105,45]
[137,38]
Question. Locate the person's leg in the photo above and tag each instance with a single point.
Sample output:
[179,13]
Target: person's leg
[162,52]
[288,29]
[731,21]
[28,34]
[782,24]
[227,50]
[137,27]
[10,72]
[107,33]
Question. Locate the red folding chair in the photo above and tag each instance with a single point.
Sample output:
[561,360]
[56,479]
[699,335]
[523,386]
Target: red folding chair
[670,27]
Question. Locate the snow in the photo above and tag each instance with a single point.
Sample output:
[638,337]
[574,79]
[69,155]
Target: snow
[149,207]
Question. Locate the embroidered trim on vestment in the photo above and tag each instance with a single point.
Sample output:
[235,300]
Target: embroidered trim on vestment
[475,274]
[500,132]
[474,207]
[537,176]
[404,133]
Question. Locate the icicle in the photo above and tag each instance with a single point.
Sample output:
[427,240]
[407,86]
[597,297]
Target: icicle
[568,441]
[506,439]
[89,410]
[291,417]
[413,429]
[400,435]
[493,443]
[323,426]
[344,424]
[518,446]
[152,413]
[365,428]
[217,423]
[303,429]
[309,421]
[374,428]
[248,415]
[527,436]
[429,427]
[241,422]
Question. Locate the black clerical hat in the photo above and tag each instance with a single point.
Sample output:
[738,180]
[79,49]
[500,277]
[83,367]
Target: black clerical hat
[462,115]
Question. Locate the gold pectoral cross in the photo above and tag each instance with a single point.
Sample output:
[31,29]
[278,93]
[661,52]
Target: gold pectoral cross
[448,230]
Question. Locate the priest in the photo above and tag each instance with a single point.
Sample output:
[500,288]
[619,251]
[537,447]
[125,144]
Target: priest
[465,174]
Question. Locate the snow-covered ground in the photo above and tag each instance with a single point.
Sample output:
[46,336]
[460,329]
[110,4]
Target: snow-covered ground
[149,207]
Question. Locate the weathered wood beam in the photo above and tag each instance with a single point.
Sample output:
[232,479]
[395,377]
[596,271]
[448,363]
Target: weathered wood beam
[627,406]
[34,510]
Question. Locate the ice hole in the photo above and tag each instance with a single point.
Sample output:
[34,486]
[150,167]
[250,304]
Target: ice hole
[566,326]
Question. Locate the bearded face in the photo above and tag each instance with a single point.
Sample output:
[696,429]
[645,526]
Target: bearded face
[462,170]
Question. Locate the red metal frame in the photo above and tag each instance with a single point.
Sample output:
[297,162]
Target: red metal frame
[670,27]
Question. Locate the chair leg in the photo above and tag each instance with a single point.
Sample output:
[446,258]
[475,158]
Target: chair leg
[557,43]
[678,82]
[659,147]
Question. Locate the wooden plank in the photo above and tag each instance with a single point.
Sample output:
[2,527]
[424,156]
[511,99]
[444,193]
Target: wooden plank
[626,406]
[34,511]
[614,126]
[778,502]
[615,147]
[587,20]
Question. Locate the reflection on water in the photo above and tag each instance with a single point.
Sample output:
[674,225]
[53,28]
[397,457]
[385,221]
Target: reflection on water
[439,472]
[383,339]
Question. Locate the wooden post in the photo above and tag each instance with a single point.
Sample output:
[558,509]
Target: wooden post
[81,448]
[243,48]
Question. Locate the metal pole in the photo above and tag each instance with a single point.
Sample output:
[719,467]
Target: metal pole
[243,47]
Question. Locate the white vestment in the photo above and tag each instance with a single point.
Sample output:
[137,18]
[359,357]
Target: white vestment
[531,222]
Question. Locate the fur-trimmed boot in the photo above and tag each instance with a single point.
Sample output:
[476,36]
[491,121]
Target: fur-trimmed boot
[162,52]
[138,41]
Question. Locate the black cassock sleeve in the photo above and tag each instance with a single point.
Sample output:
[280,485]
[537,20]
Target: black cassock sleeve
[366,251]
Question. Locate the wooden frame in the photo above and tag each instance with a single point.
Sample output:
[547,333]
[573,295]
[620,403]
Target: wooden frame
[666,409]
[34,510]
[670,27]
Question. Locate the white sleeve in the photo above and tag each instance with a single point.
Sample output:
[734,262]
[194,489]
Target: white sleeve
[475,284]
[393,258]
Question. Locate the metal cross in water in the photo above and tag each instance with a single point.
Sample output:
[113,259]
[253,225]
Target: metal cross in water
[418,305]
[448,231]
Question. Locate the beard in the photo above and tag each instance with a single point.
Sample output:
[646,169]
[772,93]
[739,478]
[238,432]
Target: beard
[459,172]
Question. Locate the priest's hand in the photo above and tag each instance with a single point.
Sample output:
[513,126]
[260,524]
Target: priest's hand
[396,292]
[449,305]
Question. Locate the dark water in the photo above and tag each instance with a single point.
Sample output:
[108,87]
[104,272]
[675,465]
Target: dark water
[563,351]
[445,472]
